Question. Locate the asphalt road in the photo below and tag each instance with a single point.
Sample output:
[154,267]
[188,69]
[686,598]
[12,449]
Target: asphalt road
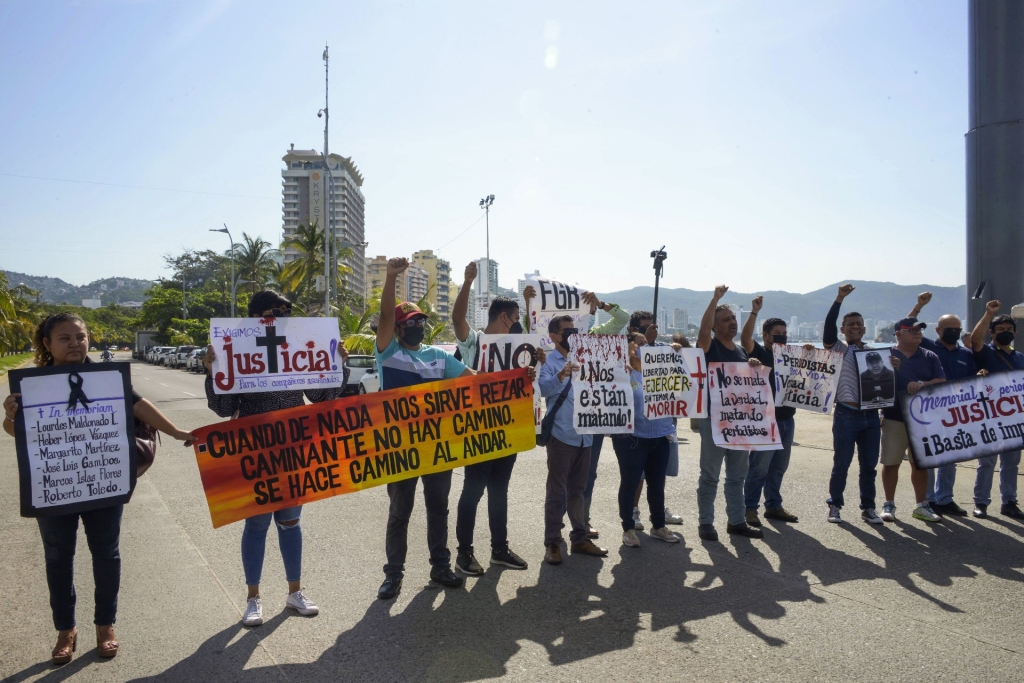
[812,601]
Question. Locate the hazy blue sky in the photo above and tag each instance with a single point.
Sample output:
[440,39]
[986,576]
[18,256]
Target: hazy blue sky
[769,145]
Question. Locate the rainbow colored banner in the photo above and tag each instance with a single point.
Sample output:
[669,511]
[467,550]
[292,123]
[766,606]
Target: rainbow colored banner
[291,457]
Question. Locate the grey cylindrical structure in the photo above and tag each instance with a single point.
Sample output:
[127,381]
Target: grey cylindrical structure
[995,155]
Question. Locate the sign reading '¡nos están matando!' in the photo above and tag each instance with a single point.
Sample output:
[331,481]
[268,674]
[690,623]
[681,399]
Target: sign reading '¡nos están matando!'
[285,458]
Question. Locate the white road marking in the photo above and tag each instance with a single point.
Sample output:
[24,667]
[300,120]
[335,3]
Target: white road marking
[162,384]
[189,394]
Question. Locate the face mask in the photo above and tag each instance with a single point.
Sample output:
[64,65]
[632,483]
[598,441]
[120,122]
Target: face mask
[779,338]
[950,335]
[515,328]
[1005,338]
[413,335]
[564,343]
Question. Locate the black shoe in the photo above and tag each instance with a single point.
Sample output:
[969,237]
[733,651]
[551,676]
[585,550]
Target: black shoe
[467,564]
[980,511]
[445,577]
[949,508]
[744,530]
[707,532]
[391,587]
[1012,511]
[507,558]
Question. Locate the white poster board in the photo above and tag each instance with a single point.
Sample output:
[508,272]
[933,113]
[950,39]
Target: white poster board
[275,354]
[806,378]
[603,395]
[75,438]
[555,298]
[499,352]
[876,378]
[674,382]
[742,410]
[965,419]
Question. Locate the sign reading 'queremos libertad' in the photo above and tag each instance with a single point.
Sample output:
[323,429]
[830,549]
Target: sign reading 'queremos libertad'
[75,438]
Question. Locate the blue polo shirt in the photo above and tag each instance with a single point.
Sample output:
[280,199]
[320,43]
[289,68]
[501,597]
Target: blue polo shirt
[956,363]
[402,367]
[995,360]
[922,366]
[550,388]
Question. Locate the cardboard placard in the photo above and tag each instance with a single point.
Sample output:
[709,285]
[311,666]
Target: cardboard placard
[876,378]
[965,419]
[291,457]
[75,437]
[674,382]
[499,352]
[806,378]
[275,354]
[742,410]
[555,298]
[601,388]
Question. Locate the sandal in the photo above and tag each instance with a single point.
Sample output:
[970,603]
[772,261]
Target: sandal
[63,655]
[106,648]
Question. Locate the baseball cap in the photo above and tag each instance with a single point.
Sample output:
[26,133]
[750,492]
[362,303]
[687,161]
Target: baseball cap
[406,310]
[910,324]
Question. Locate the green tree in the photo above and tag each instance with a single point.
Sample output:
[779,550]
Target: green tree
[300,274]
[18,316]
[254,261]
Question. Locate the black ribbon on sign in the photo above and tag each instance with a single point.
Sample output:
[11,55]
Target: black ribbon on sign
[77,395]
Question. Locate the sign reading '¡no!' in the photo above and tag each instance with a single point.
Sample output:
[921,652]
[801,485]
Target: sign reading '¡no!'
[290,457]
[275,354]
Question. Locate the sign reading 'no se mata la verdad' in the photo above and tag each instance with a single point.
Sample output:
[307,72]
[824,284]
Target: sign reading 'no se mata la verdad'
[275,354]
[291,457]
[742,410]
[965,419]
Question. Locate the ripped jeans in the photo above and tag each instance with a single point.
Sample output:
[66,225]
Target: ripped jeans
[289,538]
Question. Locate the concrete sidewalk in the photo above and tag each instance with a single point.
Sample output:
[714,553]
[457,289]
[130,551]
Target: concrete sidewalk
[811,601]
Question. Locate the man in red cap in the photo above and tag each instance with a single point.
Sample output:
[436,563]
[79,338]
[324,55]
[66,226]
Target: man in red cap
[403,361]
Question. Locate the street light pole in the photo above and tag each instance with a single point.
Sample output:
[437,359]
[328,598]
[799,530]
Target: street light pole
[225,230]
[328,237]
[485,204]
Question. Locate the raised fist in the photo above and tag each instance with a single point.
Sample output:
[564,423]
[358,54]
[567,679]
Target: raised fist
[755,305]
[470,273]
[845,290]
[397,265]
[993,306]
[720,291]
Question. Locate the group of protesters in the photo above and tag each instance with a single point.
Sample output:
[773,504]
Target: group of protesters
[645,457]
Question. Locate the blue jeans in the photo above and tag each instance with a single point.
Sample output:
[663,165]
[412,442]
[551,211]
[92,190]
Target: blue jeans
[736,463]
[103,533]
[940,484]
[860,428]
[641,458]
[767,468]
[492,475]
[595,455]
[289,538]
[1008,465]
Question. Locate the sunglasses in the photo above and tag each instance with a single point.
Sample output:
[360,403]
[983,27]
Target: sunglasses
[568,330]
[415,322]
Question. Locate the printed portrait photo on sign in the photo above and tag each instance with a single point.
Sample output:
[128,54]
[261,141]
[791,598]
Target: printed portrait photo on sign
[877,378]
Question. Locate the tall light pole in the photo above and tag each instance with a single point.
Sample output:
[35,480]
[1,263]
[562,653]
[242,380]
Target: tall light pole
[228,232]
[328,237]
[485,204]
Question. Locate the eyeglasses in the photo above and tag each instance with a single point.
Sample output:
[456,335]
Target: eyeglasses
[276,313]
[415,322]
[568,330]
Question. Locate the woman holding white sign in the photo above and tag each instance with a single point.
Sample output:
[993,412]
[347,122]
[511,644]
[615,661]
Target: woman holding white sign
[644,453]
[63,339]
[270,304]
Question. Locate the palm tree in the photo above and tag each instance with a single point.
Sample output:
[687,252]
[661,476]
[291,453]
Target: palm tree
[255,261]
[17,316]
[301,273]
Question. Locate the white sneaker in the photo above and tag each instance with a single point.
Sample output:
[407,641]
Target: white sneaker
[637,524]
[629,538]
[871,517]
[833,514]
[301,604]
[888,511]
[253,612]
[672,519]
[924,512]
[664,534]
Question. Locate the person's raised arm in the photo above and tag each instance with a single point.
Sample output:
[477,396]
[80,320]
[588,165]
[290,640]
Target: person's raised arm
[922,300]
[462,303]
[529,293]
[830,335]
[708,320]
[978,334]
[747,335]
[151,415]
[386,324]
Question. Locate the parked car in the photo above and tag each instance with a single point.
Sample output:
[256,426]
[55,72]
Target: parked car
[179,356]
[195,360]
[358,366]
[370,381]
[154,353]
[164,357]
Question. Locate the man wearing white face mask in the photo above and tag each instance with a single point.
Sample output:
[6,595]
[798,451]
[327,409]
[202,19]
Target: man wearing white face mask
[997,356]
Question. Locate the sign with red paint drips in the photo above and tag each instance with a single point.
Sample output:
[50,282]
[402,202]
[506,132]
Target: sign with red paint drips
[275,354]
[603,395]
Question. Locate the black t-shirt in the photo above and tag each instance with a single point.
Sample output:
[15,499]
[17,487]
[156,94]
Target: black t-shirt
[718,353]
[767,359]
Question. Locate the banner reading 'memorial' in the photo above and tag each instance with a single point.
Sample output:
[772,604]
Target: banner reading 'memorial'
[965,419]
[291,457]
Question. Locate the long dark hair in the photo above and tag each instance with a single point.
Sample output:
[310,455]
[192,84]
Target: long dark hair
[43,356]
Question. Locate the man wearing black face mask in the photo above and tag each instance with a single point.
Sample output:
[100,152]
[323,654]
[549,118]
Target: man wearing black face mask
[768,467]
[957,362]
[404,361]
[492,475]
[997,356]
